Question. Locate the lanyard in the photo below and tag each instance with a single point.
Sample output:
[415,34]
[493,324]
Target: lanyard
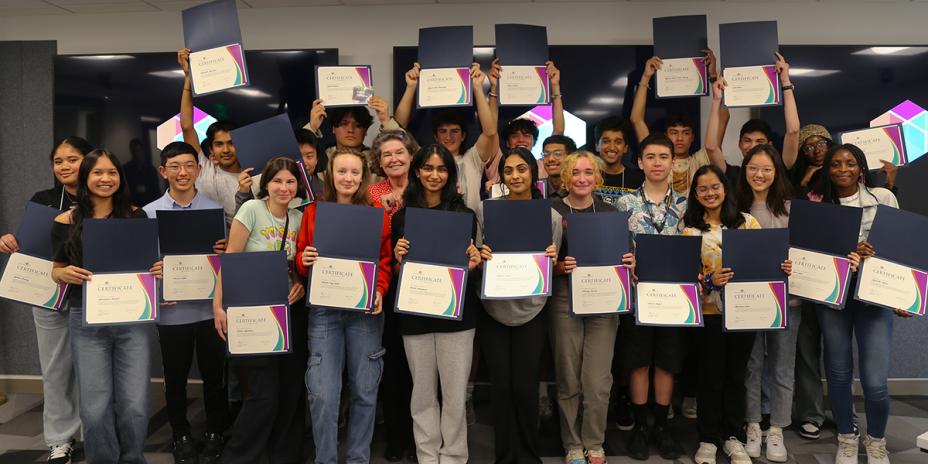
[647,206]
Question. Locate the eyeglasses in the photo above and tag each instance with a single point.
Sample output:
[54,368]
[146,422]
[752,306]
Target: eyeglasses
[176,167]
[756,169]
[556,153]
[812,147]
[709,188]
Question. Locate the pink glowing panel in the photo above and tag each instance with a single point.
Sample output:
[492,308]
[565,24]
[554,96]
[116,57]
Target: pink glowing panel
[170,131]
[914,120]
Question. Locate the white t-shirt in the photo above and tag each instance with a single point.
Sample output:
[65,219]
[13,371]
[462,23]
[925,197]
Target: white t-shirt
[218,185]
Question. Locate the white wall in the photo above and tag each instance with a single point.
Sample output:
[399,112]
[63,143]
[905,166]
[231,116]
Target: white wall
[366,35]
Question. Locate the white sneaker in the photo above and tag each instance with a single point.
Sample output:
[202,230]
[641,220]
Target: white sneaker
[735,451]
[876,450]
[706,453]
[688,408]
[755,440]
[776,446]
[847,449]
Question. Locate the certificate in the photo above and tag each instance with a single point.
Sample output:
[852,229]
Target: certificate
[218,69]
[752,86]
[344,85]
[668,304]
[342,283]
[29,280]
[431,290]
[819,277]
[879,143]
[444,87]
[120,298]
[509,276]
[754,306]
[599,290]
[524,85]
[892,285]
[682,77]
[190,277]
[258,329]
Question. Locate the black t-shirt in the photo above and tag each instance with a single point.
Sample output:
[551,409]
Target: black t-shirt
[733,173]
[419,325]
[629,179]
[55,197]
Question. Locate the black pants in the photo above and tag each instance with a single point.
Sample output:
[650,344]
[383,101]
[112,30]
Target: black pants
[396,384]
[512,356]
[723,360]
[178,343]
[274,402]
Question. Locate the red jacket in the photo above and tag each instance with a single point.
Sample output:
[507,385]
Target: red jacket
[305,239]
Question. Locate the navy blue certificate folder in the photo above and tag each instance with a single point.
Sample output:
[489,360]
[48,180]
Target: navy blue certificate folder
[34,234]
[190,231]
[517,226]
[257,143]
[521,44]
[255,279]
[211,25]
[667,258]
[120,245]
[900,236]
[348,231]
[680,36]
[598,239]
[755,254]
[446,47]
[824,227]
[912,186]
[751,43]
[438,237]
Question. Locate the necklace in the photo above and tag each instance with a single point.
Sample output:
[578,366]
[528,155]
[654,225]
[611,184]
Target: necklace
[567,202]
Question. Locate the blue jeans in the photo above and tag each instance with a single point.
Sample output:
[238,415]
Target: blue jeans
[343,339]
[113,371]
[873,327]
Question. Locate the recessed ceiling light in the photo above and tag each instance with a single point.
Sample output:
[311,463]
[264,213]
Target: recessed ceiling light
[253,93]
[606,100]
[104,57]
[809,72]
[897,51]
[174,73]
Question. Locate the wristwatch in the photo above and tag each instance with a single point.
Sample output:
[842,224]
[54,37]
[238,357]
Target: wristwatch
[788,87]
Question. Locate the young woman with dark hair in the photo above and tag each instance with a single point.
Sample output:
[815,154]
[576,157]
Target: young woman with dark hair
[112,362]
[439,352]
[723,356]
[273,401]
[60,419]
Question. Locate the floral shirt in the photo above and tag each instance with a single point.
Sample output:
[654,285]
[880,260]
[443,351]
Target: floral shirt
[647,217]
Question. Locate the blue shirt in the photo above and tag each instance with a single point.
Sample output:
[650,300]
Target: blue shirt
[183,312]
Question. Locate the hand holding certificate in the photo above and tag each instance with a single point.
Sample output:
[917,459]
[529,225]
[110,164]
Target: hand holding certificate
[27,275]
[667,293]
[600,284]
[519,263]
[445,56]
[679,42]
[748,52]
[756,298]
[217,58]
[883,143]
[523,52]
[254,294]
[344,85]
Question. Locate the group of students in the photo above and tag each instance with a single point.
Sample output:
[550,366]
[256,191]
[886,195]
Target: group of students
[343,358]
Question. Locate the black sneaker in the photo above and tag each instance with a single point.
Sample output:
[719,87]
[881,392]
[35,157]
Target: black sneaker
[61,454]
[810,430]
[184,450]
[638,443]
[623,414]
[213,444]
[666,446]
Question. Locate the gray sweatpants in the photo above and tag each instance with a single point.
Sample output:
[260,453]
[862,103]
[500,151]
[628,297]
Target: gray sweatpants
[60,415]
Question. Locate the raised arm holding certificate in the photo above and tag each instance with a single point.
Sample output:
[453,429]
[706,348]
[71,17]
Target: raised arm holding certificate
[748,55]
[119,253]
[433,276]
[187,238]
[522,51]
[254,294]
[445,55]
[756,298]
[896,276]
[518,232]
[882,143]
[679,41]
[27,277]
[344,85]
[821,235]
[600,284]
[344,275]
[667,293]
[217,57]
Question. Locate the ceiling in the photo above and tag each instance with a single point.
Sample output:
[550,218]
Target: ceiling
[64,7]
